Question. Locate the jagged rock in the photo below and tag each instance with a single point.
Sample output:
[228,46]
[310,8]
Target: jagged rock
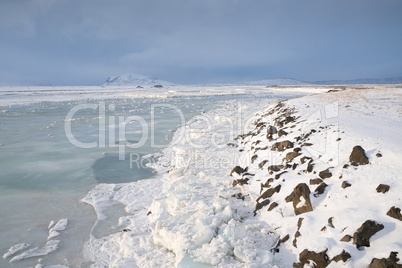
[310,167]
[253,158]
[299,223]
[358,156]
[239,170]
[320,189]
[382,188]
[330,222]
[259,206]
[275,168]
[325,174]
[294,166]
[240,182]
[362,236]
[315,181]
[395,213]
[301,200]
[391,262]
[281,146]
[268,193]
[271,130]
[282,133]
[346,238]
[345,184]
[343,256]
[304,159]
[272,206]
[261,165]
[320,259]
[290,197]
[292,155]
[277,176]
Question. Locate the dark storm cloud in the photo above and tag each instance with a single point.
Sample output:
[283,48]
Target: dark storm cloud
[83,42]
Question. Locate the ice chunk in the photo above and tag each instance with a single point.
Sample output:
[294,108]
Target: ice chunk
[16,248]
[49,247]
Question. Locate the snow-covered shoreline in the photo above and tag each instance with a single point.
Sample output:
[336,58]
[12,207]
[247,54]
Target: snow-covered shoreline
[191,215]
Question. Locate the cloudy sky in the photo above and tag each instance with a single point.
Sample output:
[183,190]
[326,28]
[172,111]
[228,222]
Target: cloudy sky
[82,42]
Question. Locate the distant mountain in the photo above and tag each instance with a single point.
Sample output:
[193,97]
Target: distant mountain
[391,80]
[278,82]
[135,80]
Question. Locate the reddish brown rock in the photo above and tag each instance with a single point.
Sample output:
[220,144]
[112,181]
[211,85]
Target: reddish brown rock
[301,200]
[358,156]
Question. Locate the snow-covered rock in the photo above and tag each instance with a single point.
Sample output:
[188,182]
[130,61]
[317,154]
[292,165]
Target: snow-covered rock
[135,80]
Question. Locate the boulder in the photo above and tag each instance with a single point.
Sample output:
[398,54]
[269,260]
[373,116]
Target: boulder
[282,133]
[239,170]
[301,200]
[325,174]
[275,168]
[343,256]
[345,184]
[382,188]
[315,181]
[292,155]
[272,206]
[395,213]
[391,262]
[362,236]
[268,193]
[358,156]
[320,259]
[320,189]
[281,146]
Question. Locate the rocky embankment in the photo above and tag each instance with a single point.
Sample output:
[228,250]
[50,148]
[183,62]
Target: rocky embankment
[324,173]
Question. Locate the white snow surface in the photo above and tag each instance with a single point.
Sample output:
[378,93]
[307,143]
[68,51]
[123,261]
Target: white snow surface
[190,215]
[130,79]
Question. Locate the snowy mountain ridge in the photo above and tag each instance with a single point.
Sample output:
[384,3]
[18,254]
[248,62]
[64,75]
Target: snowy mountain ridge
[130,79]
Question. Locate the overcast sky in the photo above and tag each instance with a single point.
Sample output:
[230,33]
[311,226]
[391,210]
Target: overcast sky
[82,42]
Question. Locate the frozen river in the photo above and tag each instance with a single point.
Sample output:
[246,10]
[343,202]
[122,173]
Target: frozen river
[53,152]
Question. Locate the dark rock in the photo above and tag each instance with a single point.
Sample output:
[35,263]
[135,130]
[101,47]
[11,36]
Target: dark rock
[382,188]
[240,182]
[325,174]
[320,259]
[345,184]
[299,223]
[254,158]
[315,181]
[323,229]
[391,262]
[290,197]
[378,155]
[345,166]
[310,167]
[294,242]
[268,193]
[292,155]
[307,144]
[275,168]
[261,205]
[330,222]
[281,146]
[395,213]
[271,130]
[294,166]
[297,150]
[149,213]
[346,238]
[302,192]
[304,159]
[344,256]
[362,236]
[272,206]
[282,133]
[261,165]
[237,169]
[277,176]
[239,196]
[358,156]
[320,189]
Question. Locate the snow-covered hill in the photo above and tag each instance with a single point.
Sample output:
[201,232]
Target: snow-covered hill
[278,82]
[135,80]
[362,81]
